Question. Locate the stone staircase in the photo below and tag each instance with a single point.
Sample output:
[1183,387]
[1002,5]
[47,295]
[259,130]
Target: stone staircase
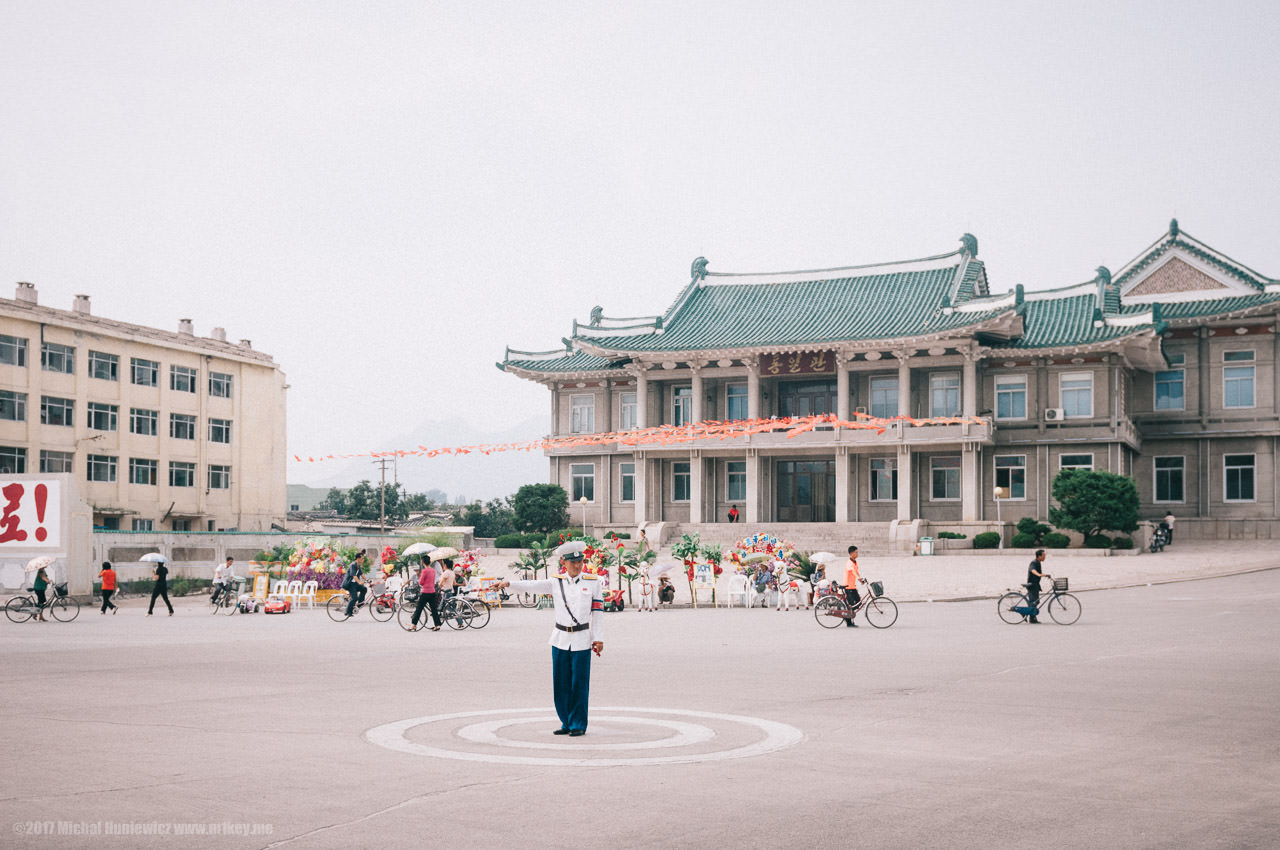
[871,538]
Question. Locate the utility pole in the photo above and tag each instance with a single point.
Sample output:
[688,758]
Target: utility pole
[382,493]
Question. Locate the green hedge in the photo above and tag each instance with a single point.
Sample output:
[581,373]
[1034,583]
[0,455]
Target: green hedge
[517,541]
[1054,540]
[1097,541]
[951,535]
[1023,540]
[1122,543]
[986,540]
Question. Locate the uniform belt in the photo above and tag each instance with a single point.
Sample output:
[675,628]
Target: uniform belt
[577,628]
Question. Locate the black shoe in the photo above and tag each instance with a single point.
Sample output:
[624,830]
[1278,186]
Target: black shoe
[561,731]
[1033,621]
[577,733]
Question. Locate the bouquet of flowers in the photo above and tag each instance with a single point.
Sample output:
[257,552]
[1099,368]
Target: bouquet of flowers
[467,565]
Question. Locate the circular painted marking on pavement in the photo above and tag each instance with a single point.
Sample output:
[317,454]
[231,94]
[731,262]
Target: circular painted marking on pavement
[687,734]
[393,736]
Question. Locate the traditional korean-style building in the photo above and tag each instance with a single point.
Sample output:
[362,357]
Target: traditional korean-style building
[1165,370]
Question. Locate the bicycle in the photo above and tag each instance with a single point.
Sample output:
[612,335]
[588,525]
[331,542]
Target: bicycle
[1015,607]
[337,606]
[484,608]
[225,598]
[457,611]
[24,607]
[383,605]
[833,608]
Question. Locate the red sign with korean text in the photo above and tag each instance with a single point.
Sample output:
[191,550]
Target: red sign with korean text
[30,514]
[798,363]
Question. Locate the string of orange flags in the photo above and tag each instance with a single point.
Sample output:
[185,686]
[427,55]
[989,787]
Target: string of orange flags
[666,435]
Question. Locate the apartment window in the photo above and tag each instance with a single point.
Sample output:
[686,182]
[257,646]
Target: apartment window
[144,422]
[582,418]
[682,406]
[145,373]
[181,524]
[627,411]
[1011,476]
[102,417]
[1238,471]
[736,491]
[105,367]
[946,478]
[56,461]
[13,460]
[182,426]
[182,474]
[583,476]
[57,411]
[182,379]
[1011,397]
[13,350]
[1169,478]
[1170,390]
[736,402]
[58,358]
[219,477]
[944,394]
[144,525]
[681,481]
[102,468]
[628,473]
[884,479]
[1076,462]
[220,385]
[1076,390]
[220,430]
[143,471]
[1237,381]
[13,406]
[884,397]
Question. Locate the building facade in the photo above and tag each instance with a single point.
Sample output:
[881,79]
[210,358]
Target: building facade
[162,431]
[1165,371]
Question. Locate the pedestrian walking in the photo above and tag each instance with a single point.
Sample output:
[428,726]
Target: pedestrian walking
[40,585]
[160,589]
[107,576]
[1034,574]
[428,596]
[1168,525]
[578,632]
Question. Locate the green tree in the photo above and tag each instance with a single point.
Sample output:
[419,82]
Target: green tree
[1092,502]
[362,502]
[495,518]
[336,500]
[541,508]
[417,502]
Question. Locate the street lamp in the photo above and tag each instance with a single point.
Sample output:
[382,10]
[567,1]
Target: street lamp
[583,502]
[999,496]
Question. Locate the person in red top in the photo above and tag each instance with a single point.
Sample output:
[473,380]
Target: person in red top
[733,513]
[108,578]
[851,579]
[429,595]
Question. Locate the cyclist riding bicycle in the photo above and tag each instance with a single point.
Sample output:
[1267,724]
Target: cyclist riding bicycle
[223,579]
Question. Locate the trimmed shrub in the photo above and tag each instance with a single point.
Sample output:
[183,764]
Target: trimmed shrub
[986,540]
[951,535]
[1097,541]
[1037,529]
[1022,540]
[1122,543]
[622,535]
[1055,540]
[510,541]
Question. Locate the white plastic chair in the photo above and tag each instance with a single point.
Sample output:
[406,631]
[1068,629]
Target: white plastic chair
[738,586]
[294,592]
[308,593]
[278,589]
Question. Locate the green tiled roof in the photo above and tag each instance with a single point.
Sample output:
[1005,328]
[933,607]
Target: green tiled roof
[1196,309]
[577,361]
[1052,322]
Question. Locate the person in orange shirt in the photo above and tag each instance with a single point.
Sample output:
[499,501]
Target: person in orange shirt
[108,578]
[851,579]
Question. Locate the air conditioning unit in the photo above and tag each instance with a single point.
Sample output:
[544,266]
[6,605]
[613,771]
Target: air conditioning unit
[861,410]
[1054,414]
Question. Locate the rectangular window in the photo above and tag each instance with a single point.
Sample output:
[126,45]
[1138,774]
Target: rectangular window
[628,473]
[13,406]
[102,417]
[946,478]
[104,367]
[682,406]
[1011,476]
[102,468]
[884,397]
[1237,381]
[1011,397]
[1238,471]
[736,491]
[182,426]
[181,524]
[736,402]
[1169,477]
[57,411]
[584,481]
[944,394]
[1075,462]
[182,379]
[219,477]
[143,471]
[884,479]
[58,358]
[1170,389]
[56,461]
[182,474]
[144,422]
[219,430]
[13,461]
[220,385]
[1076,390]
[13,350]
[145,373]
[582,414]
[144,525]
[627,411]
[681,481]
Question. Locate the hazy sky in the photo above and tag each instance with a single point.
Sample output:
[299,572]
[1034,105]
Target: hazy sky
[382,195]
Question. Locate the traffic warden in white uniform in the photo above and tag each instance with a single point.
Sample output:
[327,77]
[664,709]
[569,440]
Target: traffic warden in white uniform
[579,631]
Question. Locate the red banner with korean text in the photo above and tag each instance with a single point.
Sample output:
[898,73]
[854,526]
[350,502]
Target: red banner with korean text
[30,514]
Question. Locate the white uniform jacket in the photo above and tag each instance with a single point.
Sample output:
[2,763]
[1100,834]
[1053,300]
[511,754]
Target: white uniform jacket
[583,597]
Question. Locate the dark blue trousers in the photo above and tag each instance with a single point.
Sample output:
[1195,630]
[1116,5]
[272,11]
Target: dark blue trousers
[571,677]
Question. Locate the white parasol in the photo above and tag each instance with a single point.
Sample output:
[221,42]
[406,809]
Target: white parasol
[39,563]
[418,548]
[154,557]
[824,558]
[443,553]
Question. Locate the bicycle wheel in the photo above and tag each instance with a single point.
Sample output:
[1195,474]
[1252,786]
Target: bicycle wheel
[830,612]
[64,608]
[458,614]
[19,609]
[337,607]
[382,608]
[230,604]
[527,600]
[1006,604]
[1064,608]
[483,610]
[404,616]
[881,612]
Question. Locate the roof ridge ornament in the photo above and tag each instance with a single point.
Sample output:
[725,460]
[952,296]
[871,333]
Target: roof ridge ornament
[970,244]
[597,312]
[1173,228]
[698,270]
